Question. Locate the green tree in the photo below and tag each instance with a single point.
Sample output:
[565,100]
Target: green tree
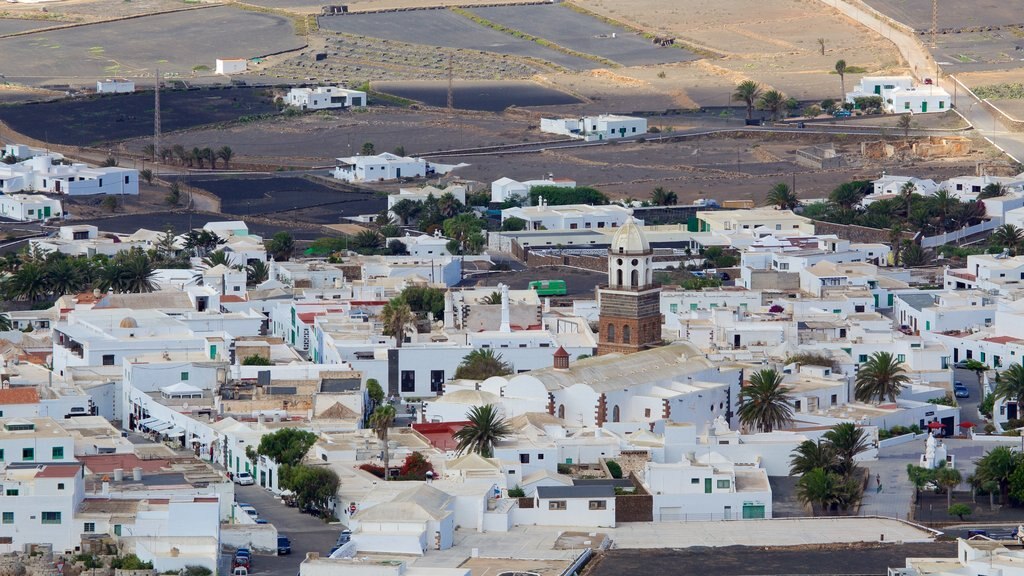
[948,478]
[960,510]
[217,258]
[147,175]
[774,102]
[286,446]
[397,248]
[998,466]
[281,246]
[849,194]
[809,455]
[919,477]
[1007,236]
[992,190]
[481,364]
[226,154]
[424,300]
[368,149]
[381,420]
[5,322]
[747,92]
[110,203]
[782,197]
[513,224]
[405,209]
[913,254]
[848,441]
[559,196]
[841,70]
[484,430]
[257,273]
[396,317]
[374,391]
[492,299]
[816,488]
[979,368]
[903,123]
[881,377]
[662,197]
[256,360]
[765,403]
[366,240]
[1010,385]
[465,230]
[315,487]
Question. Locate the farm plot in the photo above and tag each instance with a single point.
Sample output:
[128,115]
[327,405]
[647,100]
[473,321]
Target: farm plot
[12,25]
[980,51]
[583,33]
[447,29]
[918,13]
[116,117]
[290,199]
[483,96]
[181,221]
[176,43]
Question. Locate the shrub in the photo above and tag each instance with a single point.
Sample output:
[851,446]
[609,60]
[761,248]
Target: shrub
[377,471]
[564,469]
[989,428]
[415,467]
[130,562]
[776,309]
[516,492]
[614,469]
[255,360]
[960,510]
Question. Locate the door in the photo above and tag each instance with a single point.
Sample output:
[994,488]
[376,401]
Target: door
[878,89]
[736,341]
[707,485]
[56,188]
[1011,411]
[398,172]
[46,209]
[924,106]
[753,511]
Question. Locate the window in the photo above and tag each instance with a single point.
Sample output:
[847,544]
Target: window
[723,484]
[117,529]
[51,517]
[408,380]
[1,454]
[797,405]
[28,454]
[540,456]
[862,358]
[8,517]
[673,308]
[906,105]
[556,505]
[184,376]
[611,332]
[598,505]
[524,458]
[11,492]
[89,527]
[60,486]
[647,412]
[57,453]
[834,400]
[436,380]
[901,358]
[108,359]
[694,480]
[125,179]
[626,334]
[942,104]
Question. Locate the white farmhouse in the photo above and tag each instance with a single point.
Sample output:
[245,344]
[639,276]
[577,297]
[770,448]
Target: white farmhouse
[230,65]
[28,207]
[569,216]
[39,503]
[592,128]
[387,166]
[899,94]
[324,97]
[708,487]
[46,173]
[115,86]
[504,189]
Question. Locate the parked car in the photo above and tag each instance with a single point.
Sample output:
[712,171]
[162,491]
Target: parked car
[343,538]
[261,521]
[244,479]
[284,545]
[927,81]
[841,113]
[961,391]
[249,509]
[239,571]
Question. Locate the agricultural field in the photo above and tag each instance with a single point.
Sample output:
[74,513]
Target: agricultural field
[115,117]
[289,198]
[449,30]
[176,43]
[980,51]
[13,25]
[583,33]
[918,13]
[479,95]
[73,11]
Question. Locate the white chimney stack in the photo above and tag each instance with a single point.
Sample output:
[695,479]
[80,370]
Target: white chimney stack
[506,325]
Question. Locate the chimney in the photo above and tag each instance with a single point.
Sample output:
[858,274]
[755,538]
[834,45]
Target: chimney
[106,486]
[561,359]
[272,269]
[506,326]
[449,309]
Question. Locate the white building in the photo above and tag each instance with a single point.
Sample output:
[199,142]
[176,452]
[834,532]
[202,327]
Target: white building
[38,505]
[990,272]
[46,173]
[324,97]
[29,207]
[935,311]
[570,216]
[591,128]
[707,487]
[504,189]
[899,94]
[890,186]
[230,65]
[590,506]
[115,86]
[423,245]
[30,440]
[387,166]
[974,557]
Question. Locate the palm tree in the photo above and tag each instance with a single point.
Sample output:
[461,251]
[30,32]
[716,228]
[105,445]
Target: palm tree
[809,455]
[1007,236]
[5,322]
[481,364]
[367,239]
[486,427]
[781,197]
[217,258]
[997,466]
[28,283]
[63,277]
[841,70]
[396,317]
[774,102]
[257,273]
[448,205]
[662,197]
[405,209]
[948,478]
[747,92]
[225,153]
[816,488]
[764,402]
[992,190]
[895,239]
[907,193]
[944,203]
[381,420]
[1010,385]
[881,377]
[149,150]
[848,441]
[491,299]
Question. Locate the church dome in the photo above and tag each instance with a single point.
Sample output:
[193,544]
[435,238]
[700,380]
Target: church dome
[129,322]
[629,238]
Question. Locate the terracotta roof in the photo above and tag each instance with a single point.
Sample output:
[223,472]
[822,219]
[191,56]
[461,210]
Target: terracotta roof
[561,353]
[59,471]
[232,298]
[107,463]
[19,396]
[1002,339]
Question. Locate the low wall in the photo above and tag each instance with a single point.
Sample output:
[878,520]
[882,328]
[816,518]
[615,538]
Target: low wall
[262,537]
[898,440]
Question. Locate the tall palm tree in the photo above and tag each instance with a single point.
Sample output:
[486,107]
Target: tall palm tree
[405,209]
[997,466]
[992,190]
[841,70]
[907,193]
[881,377]
[225,153]
[481,364]
[848,441]
[765,403]
[63,277]
[782,197]
[491,299]
[774,102]
[448,205]
[396,317]
[896,241]
[486,427]
[816,488]
[948,478]
[1010,385]
[5,322]
[662,197]
[1007,236]
[747,92]
[809,455]
[28,282]
[944,203]
[381,420]
[217,258]
[257,273]
[137,272]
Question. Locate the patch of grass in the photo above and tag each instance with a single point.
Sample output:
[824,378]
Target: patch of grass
[1004,91]
[200,68]
[540,41]
[853,70]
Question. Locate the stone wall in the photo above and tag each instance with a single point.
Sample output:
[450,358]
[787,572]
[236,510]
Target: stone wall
[633,461]
[855,233]
[636,507]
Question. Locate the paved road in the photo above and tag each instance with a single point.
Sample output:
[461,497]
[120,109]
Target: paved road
[307,533]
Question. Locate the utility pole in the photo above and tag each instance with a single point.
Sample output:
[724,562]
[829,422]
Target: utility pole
[156,118]
[935,20]
[451,95]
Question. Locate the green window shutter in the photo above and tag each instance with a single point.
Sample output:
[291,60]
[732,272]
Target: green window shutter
[927,324]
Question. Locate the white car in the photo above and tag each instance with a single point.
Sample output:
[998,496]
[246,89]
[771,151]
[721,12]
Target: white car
[244,479]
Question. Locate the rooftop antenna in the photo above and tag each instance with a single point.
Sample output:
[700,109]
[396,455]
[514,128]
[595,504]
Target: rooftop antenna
[156,118]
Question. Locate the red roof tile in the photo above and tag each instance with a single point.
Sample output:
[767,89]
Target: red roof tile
[19,396]
[59,471]
[1001,339]
[231,298]
[107,463]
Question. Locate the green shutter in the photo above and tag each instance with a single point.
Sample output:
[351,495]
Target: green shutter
[707,485]
[927,324]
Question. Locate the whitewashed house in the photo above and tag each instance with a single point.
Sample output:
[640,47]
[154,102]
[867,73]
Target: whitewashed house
[115,86]
[324,98]
[387,166]
[39,502]
[589,506]
[504,189]
[570,216]
[591,128]
[29,207]
[899,94]
[47,173]
[230,65]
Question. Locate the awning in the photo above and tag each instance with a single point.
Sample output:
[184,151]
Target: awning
[175,432]
[149,421]
[161,426]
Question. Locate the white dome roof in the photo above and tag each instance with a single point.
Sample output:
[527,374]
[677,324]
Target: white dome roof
[630,238]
